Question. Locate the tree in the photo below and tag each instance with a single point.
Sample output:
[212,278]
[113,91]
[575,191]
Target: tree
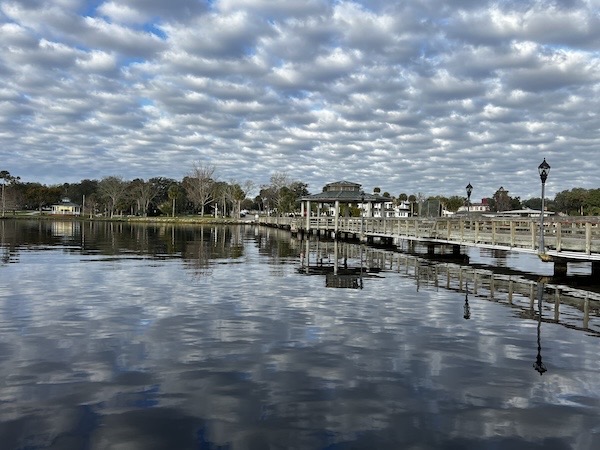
[199,186]
[412,199]
[501,200]
[222,197]
[142,192]
[533,203]
[112,189]
[37,195]
[454,202]
[239,192]
[173,192]
[8,181]
[571,202]
[280,180]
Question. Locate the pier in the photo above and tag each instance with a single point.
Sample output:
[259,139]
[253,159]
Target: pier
[566,239]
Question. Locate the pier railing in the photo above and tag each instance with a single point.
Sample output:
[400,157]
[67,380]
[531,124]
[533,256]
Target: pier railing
[573,238]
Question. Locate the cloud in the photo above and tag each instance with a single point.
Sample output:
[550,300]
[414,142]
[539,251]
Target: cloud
[409,97]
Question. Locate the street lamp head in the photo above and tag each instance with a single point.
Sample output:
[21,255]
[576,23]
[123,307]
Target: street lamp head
[544,170]
[469,189]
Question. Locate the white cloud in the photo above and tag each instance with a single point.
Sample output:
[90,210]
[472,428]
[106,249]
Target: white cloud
[376,92]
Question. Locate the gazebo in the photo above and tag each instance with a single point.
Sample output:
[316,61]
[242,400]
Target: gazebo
[66,207]
[339,193]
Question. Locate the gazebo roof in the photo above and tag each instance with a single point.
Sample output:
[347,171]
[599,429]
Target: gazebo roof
[345,197]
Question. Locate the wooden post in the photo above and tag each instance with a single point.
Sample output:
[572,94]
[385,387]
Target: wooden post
[560,268]
[307,216]
[588,238]
[336,222]
[512,233]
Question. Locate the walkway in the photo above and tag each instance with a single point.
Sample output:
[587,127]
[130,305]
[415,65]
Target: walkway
[566,239]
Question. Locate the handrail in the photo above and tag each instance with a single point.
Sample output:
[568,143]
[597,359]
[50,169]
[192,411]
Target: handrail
[580,236]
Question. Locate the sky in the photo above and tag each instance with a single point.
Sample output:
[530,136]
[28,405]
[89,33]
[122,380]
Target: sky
[409,96]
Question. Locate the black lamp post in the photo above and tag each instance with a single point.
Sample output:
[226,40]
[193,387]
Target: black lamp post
[544,170]
[469,190]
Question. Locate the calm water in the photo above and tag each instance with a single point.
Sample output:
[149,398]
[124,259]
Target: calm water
[137,337]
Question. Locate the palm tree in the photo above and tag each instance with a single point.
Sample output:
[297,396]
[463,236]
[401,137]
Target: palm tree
[172,193]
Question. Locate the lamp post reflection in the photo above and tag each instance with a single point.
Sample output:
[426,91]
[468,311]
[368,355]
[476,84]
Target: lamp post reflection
[538,365]
[467,308]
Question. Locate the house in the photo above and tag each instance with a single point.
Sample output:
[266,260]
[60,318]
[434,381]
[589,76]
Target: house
[66,208]
[482,207]
[390,209]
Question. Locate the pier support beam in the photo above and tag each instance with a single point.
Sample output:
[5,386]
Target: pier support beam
[595,268]
[560,268]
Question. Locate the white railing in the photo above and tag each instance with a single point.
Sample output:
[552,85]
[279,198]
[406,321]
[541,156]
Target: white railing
[561,235]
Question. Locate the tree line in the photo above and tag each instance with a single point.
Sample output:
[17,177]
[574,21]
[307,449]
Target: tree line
[201,192]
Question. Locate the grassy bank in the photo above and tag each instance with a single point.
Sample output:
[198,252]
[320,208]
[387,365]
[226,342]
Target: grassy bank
[208,220]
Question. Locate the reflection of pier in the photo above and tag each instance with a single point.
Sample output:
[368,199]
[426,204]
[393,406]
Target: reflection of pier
[341,270]
[569,306]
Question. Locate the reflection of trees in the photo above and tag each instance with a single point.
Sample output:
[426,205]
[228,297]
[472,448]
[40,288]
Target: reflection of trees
[199,244]
[204,245]
[276,244]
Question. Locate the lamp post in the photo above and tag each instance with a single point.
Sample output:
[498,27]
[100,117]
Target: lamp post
[362,214]
[469,190]
[544,170]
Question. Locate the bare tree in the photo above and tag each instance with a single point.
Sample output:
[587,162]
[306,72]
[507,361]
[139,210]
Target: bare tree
[279,181]
[113,189]
[143,192]
[199,186]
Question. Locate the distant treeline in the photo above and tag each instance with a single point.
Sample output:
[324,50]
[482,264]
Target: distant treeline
[200,192]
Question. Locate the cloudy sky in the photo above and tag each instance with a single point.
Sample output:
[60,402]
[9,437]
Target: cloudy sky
[411,96]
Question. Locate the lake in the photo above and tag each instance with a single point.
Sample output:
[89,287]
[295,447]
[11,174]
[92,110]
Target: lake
[117,336]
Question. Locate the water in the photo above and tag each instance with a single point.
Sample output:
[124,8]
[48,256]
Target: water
[144,337]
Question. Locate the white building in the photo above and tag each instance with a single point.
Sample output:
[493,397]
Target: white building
[66,208]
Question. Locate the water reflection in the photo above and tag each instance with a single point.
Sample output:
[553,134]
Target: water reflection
[337,262]
[213,338]
[466,307]
[538,365]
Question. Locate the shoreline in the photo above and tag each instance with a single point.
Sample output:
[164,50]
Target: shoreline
[135,219]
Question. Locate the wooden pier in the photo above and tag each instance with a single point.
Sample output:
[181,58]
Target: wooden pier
[566,239]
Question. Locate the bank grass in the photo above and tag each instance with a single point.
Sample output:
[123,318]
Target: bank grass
[182,219]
